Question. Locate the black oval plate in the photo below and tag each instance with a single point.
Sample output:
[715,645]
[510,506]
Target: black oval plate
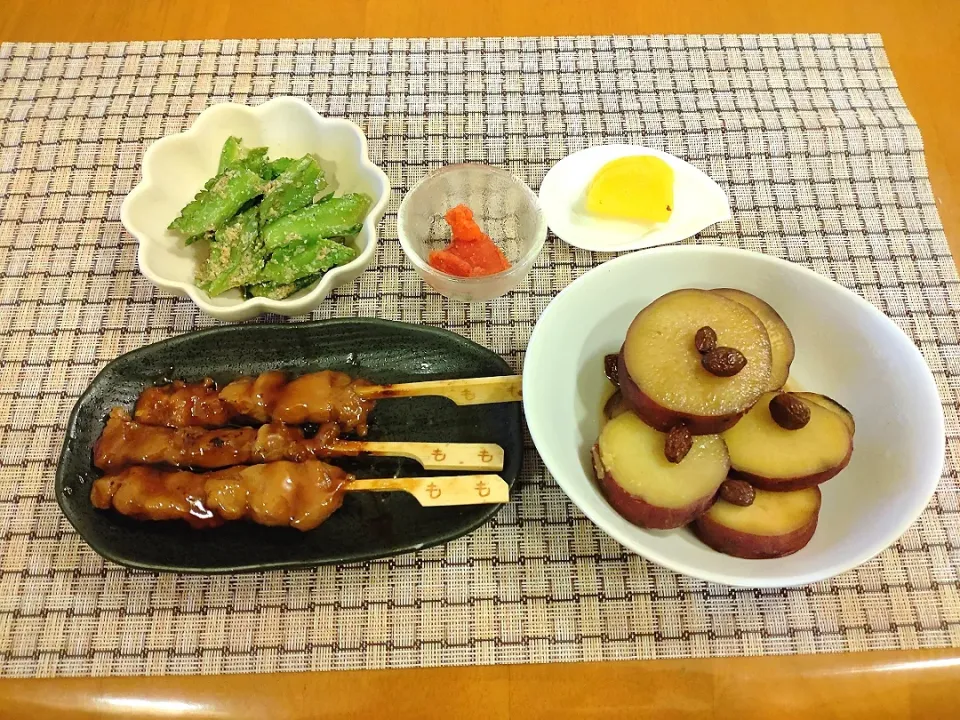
[369,525]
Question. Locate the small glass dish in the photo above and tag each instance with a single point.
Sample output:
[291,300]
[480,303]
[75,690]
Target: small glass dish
[504,207]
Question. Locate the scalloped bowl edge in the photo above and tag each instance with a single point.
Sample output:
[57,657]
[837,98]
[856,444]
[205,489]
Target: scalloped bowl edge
[195,148]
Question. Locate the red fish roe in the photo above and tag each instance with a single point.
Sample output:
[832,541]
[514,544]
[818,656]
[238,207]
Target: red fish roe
[471,253]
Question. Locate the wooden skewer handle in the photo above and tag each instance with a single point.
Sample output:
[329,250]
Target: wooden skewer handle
[433,456]
[442,490]
[463,391]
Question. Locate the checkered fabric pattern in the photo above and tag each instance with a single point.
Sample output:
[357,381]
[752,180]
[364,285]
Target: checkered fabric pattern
[823,165]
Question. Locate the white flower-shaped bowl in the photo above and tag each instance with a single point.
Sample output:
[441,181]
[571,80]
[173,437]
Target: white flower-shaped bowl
[176,167]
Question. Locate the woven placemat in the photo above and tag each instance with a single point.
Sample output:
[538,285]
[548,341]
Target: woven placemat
[823,164]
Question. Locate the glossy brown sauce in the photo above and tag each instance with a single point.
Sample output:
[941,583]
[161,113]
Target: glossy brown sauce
[298,495]
[124,443]
[320,397]
[149,494]
[288,494]
[183,404]
[254,397]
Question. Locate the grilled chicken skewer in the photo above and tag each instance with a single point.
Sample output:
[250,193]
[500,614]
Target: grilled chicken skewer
[320,397]
[298,495]
[124,443]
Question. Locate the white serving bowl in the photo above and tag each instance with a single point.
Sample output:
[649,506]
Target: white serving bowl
[846,349]
[176,167]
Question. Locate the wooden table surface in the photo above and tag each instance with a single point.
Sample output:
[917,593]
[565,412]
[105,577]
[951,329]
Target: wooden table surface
[922,39]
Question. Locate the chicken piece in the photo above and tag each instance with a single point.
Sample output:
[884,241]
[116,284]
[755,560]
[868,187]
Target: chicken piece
[277,441]
[125,442]
[253,397]
[297,495]
[149,494]
[183,404]
[323,397]
[320,397]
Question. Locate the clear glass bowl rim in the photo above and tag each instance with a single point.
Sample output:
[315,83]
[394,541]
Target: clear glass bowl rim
[522,263]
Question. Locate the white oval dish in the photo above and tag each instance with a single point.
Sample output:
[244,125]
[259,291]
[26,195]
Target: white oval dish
[176,167]
[846,349]
[698,203]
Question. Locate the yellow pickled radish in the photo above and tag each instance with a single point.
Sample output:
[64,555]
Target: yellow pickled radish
[637,187]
